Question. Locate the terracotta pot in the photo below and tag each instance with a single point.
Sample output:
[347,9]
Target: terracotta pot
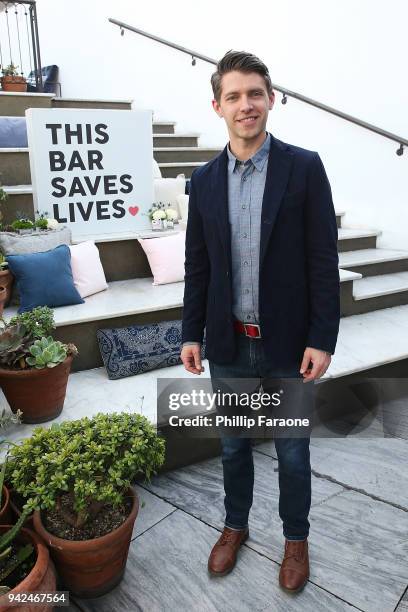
[41,579]
[6,280]
[39,394]
[3,297]
[6,514]
[13,83]
[90,568]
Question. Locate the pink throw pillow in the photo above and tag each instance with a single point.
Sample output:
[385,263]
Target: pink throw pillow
[87,270]
[166,257]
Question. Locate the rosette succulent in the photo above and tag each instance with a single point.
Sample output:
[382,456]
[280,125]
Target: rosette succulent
[46,353]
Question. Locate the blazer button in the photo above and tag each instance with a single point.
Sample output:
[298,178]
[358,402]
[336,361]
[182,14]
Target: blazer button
[227,273]
[267,221]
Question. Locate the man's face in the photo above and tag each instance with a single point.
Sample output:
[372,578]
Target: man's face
[244,104]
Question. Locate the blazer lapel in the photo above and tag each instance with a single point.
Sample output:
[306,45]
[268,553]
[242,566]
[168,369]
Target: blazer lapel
[220,203]
[277,176]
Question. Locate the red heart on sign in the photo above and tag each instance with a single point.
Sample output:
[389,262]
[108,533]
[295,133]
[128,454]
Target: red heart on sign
[133,210]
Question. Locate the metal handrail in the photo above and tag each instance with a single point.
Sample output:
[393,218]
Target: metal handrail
[403,142]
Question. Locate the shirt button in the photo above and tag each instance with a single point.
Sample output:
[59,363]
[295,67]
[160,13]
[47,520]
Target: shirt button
[245,263]
[243,206]
[246,290]
[245,235]
[248,316]
[244,178]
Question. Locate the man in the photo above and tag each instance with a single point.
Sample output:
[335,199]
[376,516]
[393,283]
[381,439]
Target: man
[261,275]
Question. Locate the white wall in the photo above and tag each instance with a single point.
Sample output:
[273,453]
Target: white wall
[350,55]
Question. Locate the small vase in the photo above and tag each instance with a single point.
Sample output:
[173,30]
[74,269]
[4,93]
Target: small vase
[157,225]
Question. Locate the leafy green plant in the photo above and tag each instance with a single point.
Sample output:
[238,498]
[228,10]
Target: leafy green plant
[46,353]
[10,70]
[3,261]
[92,460]
[41,223]
[3,195]
[38,322]
[22,224]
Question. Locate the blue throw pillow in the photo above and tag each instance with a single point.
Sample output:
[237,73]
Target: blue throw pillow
[136,349]
[44,279]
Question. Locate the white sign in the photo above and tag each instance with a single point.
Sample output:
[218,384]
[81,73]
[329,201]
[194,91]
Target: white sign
[92,169]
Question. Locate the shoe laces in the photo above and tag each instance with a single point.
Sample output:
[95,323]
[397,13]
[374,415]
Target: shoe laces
[295,549]
[228,536]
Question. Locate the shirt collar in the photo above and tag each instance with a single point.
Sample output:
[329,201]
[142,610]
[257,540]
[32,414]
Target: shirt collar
[258,159]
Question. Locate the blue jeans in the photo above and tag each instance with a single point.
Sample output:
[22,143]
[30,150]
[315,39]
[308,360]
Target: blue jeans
[237,461]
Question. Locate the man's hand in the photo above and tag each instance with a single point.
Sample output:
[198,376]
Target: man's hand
[191,358]
[320,360]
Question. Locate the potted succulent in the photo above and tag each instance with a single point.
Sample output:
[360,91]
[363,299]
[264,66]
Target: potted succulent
[25,566]
[34,368]
[85,507]
[11,80]
[23,226]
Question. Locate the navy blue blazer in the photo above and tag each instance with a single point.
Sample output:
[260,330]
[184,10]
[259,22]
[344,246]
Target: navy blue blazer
[299,285]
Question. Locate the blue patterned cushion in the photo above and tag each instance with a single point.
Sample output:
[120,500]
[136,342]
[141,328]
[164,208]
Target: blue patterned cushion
[139,348]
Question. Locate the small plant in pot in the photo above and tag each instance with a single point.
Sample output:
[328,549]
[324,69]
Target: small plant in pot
[34,368]
[85,505]
[25,564]
[6,281]
[6,512]
[11,80]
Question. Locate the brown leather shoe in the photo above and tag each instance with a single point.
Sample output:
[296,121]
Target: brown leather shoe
[294,571]
[224,553]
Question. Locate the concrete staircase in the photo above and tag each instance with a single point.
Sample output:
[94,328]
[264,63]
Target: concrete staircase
[373,335]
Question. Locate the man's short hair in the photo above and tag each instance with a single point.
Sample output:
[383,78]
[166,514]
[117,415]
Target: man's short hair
[243,62]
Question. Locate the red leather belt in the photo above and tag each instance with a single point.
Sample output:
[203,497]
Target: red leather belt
[249,329]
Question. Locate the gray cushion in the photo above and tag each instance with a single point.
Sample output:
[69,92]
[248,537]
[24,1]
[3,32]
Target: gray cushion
[13,132]
[37,242]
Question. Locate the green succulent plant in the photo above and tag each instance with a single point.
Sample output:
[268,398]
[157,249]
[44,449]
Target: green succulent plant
[46,353]
[14,345]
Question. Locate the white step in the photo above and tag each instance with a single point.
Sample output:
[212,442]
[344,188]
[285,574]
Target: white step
[369,256]
[179,135]
[177,164]
[120,101]
[383,284]
[351,233]
[177,149]
[122,298]
[18,189]
[27,95]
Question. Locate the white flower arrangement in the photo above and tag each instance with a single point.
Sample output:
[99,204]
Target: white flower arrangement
[52,224]
[171,214]
[158,215]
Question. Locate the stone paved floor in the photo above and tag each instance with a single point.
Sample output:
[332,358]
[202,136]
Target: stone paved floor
[358,538]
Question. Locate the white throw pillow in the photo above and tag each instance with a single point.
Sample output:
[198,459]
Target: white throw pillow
[182,201]
[87,270]
[156,170]
[166,256]
[166,190]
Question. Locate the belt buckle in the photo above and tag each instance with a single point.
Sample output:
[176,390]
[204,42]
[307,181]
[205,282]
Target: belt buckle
[252,325]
